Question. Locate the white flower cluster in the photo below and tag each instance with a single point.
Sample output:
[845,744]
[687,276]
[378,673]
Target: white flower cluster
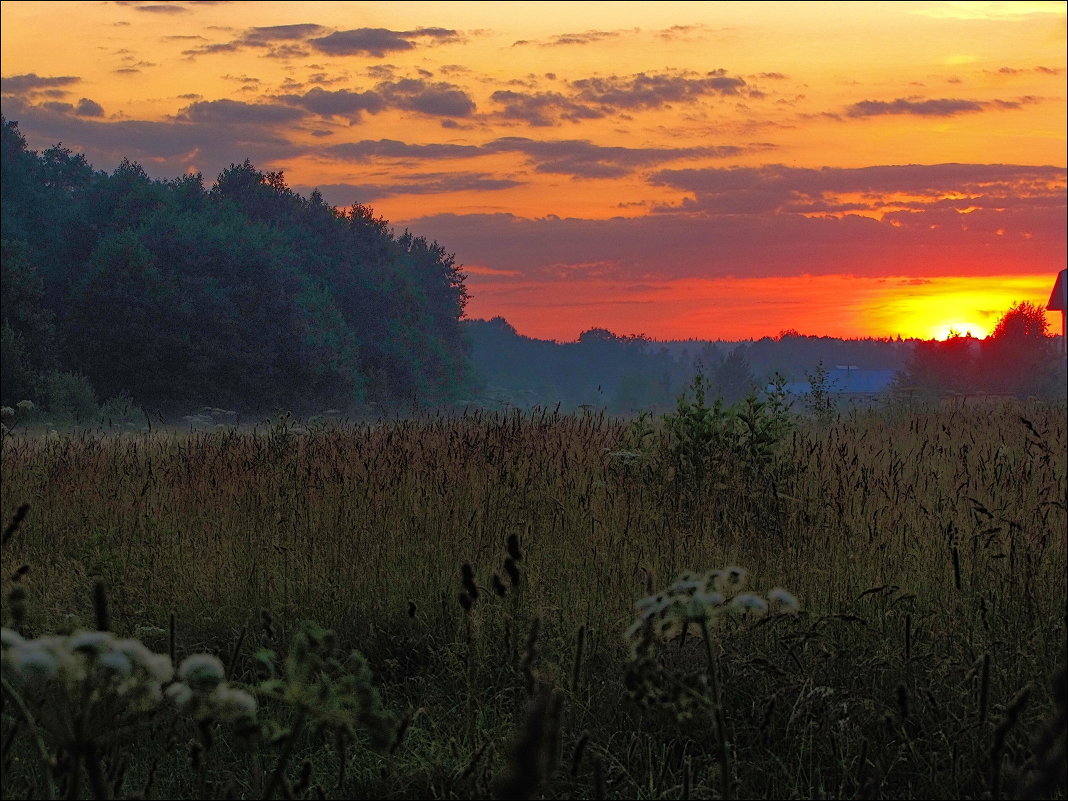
[96,675]
[203,692]
[694,598]
[90,668]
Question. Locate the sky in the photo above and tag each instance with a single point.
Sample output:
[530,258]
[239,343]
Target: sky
[709,170]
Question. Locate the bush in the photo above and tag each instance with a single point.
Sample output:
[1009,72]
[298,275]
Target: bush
[70,396]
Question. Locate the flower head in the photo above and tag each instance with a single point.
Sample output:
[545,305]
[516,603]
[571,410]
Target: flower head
[783,601]
[229,703]
[202,672]
[749,604]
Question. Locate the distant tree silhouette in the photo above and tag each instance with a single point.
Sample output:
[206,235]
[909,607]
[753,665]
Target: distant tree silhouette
[1018,357]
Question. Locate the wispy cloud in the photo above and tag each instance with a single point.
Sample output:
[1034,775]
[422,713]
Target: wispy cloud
[31,82]
[377,42]
[943,107]
[566,39]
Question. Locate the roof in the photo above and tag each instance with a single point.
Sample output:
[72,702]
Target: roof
[1057,299]
[862,380]
[848,381]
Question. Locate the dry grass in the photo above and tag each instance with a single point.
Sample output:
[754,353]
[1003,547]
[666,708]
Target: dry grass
[927,550]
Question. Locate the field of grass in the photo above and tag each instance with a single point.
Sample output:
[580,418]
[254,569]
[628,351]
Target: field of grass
[486,568]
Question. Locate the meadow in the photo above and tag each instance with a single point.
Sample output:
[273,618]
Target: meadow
[532,604]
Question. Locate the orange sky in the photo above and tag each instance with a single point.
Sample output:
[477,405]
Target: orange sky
[709,170]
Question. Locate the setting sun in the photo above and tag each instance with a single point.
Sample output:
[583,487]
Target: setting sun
[948,330]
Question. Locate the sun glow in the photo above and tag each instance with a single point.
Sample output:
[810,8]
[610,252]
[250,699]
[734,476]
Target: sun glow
[944,331]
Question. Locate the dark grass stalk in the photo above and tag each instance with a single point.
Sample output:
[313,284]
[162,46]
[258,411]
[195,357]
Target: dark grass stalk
[1001,732]
[44,759]
[14,523]
[100,606]
[236,653]
[172,638]
[723,746]
[576,665]
[287,751]
[599,792]
[578,752]
[984,689]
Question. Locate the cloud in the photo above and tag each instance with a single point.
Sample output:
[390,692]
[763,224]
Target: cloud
[417,184]
[338,103]
[595,98]
[542,109]
[944,107]
[236,112]
[160,8]
[408,94]
[578,158]
[89,108]
[583,159]
[280,41]
[367,150]
[434,99]
[85,108]
[207,138]
[266,36]
[682,32]
[654,91]
[1039,70]
[31,82]
[780,189]
[377,42]
[952,219]
[168,7]
[565,39]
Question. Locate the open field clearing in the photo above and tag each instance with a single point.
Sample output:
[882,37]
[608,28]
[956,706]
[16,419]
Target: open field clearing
[487,568]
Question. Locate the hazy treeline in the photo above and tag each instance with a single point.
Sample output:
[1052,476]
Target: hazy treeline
[625,374]
[628,373]
[242,295]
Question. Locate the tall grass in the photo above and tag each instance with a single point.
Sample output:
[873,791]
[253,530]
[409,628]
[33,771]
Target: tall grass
[927,550]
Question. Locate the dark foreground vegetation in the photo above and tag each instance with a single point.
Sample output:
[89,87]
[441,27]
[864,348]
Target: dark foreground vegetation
[898,630]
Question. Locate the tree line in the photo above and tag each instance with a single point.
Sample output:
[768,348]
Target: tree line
[243,295]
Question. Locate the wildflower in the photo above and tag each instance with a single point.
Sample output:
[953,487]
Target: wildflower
[229,703]
[157,666]
[783,601]
[202,672]
[706,598]
[687,583]
[652,605]
[10,638]
[116,662]
[748,603]
[734,577]
[91,642]
[35,664]
[180,694]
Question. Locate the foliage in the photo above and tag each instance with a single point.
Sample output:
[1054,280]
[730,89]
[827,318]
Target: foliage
[819,400]
[244,294]
[714,445]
